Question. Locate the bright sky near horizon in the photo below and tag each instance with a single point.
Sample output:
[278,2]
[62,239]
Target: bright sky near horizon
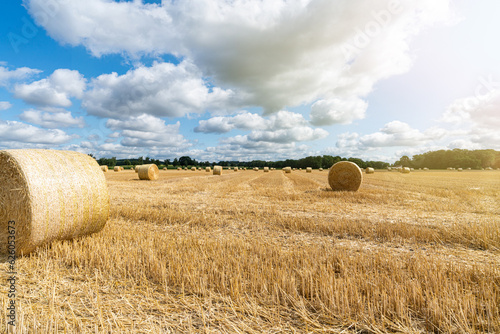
[250,79]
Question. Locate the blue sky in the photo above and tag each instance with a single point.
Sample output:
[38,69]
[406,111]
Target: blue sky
[243,80]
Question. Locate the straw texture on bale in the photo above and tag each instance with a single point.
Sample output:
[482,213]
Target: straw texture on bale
[217,170]
[117,169]
[405,170]
[321,169]
[104,168]
[208,169]
[148,172]
[370,170]
[287,169]
[178,168]
[309,170]
[266,169]
[193,169]
[137,168]
[345,175]
[50,195]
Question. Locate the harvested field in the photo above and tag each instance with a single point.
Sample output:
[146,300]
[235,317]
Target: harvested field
[275,252]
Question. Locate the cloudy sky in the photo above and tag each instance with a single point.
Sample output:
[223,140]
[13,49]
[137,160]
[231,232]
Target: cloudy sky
[250,79]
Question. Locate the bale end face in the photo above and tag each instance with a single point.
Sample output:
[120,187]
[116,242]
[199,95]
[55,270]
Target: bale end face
[346,176]
[217,170]
[148,172]
[49,195]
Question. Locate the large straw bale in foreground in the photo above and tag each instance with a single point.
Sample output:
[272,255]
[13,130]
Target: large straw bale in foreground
[50,195]
[217,170]
[345,175]
[148,172]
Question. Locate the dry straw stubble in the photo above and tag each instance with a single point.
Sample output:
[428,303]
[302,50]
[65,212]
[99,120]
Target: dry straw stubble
[51,195]
[148,172]
[345,175]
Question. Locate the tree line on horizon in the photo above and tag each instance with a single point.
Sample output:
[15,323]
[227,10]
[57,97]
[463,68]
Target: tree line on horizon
[456,158]
[442,159]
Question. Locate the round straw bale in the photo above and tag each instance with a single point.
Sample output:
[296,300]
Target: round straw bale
[321,169]
[117,169]
[345,175]
[235,169]
[266,169]
[309,170]
[164,168]
[217,170]
[370,170]
[425,168]
[104,168]
[208,169]
[405,170]
[193,169]
[178,168]
[137,168]
[50,195]
[287,169]
[148,172]
[459,169]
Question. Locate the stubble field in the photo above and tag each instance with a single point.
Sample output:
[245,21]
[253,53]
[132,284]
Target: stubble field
[272,252]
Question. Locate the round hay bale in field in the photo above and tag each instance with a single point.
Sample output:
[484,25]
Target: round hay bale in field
[164,168]
[49,195]
[425,168]
[389,168]
[309,170]
[405,170]
[208,169]
[460,169]
[178,168]
[345,175]
[193,169]
[148,172]
[217,170]
[266,169]
[137,168]
[117,169]
[321,169]
[256,169]
[287,170]
[104,168]
[370,170]
[235,169]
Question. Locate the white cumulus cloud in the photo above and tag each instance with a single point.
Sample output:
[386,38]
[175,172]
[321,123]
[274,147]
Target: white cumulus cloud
[13,131]
[52,120]
[4,105]
[162,90]
[53,91]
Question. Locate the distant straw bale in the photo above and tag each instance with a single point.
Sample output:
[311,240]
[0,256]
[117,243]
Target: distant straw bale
[309,169]
[266,169]
[217,170]
[51,195]
[208,169]
[117,169]
[405,170]
[370,170]
[104,168]
[287,170]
